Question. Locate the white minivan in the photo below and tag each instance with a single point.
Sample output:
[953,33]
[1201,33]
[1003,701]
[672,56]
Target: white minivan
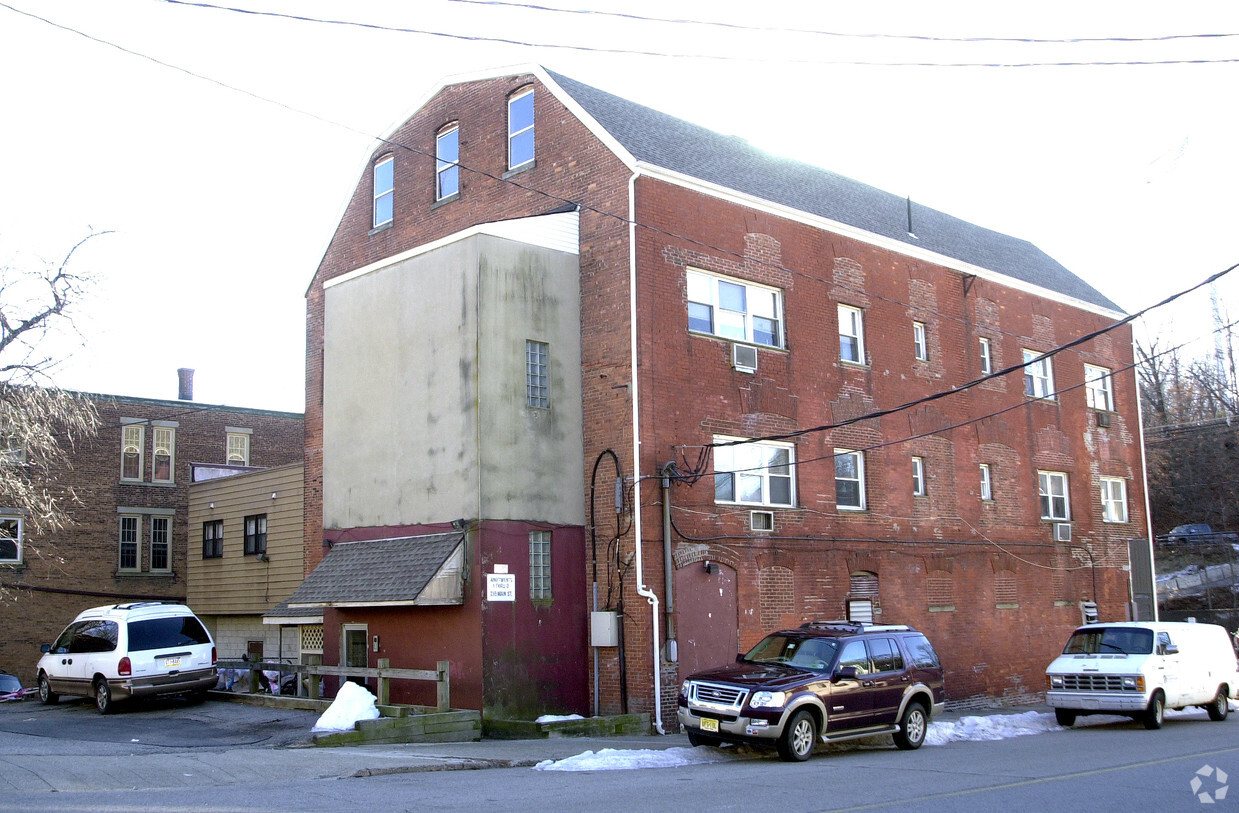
[1141,668]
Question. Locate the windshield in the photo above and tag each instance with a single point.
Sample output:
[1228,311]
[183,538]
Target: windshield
[810,653]
[1112,640]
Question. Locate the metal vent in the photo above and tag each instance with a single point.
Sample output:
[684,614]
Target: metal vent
[744,358]
[1062,531]
[1103,419]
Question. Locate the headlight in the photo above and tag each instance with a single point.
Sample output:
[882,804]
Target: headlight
[768,700]
[1129,683]
[684,688]
[1056,681]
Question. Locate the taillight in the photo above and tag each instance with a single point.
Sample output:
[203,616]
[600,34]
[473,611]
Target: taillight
[124,668]
[212,656]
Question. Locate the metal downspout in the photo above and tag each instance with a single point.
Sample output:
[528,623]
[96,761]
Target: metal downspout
[668,585]
[1148,513]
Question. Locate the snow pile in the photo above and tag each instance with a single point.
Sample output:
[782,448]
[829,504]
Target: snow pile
[610,759]
[352,703]
[990,727]
[558,718]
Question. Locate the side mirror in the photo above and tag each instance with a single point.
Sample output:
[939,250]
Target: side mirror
[45,648]
[1172,649]
[739,657]
[846,673]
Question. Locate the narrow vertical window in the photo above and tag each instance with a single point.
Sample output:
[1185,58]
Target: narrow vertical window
[540,565]
[384,190]
[213,539]
[1038,375]
[918,476]
[161,547]
[537,374]
[987,358]
[12,449]
[238,448]
[129,543]
[131,452]
[1097,388]
[849,480]
[10,539]
[987,484]
[165,446]
[1113,499]
[255,534]
[920,344]
[520,129]
[447,162]
[851,334]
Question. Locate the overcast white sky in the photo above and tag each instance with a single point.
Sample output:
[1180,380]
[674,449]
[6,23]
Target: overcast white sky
[222,203]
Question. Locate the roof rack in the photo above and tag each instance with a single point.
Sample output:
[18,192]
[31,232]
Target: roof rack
[844,625]
[132,604]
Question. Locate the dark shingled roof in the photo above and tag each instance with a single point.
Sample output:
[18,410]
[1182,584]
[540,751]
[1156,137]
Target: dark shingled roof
[732,163]
[376,571]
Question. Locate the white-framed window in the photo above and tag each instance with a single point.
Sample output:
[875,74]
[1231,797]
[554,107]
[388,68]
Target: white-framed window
[384,190]
[537,374]
[1097,388]
[918,476]
[920,343]
[758,473]
[238,447]
[734,309]
[1113,499]
[540,565]
[987,483]
[447,162]
[133,437]
[10,540]
[849,480]
[851,334]
[161,543]
[1052,488]
[520,128]
[255,534]
[1038,376]
[987,357]
[12,450]
[163,466]
[213,539]
[130,530]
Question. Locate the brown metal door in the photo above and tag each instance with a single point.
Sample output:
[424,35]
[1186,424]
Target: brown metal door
[705,604]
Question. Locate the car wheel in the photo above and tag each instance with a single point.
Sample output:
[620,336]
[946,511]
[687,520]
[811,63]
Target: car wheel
[695,739]
[46,696]
[1156,711]
[912,727]
[103,696]
[1220,706]
[799,737]
[1065,717]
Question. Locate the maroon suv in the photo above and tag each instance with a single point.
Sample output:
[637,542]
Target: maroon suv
[824,682]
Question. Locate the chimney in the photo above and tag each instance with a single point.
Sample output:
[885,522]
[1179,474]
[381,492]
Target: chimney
[186,378]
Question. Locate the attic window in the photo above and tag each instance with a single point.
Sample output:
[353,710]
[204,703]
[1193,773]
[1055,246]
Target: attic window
[384,190]
[520,128]
[447,162]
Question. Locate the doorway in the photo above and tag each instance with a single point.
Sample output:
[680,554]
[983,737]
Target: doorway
[705,603]
[354,651]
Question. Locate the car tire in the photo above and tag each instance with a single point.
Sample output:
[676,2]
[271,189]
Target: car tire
[798,738]
[1156,712]
[913,726]
[695,739]
[103,696]
[1220,706]
[46,696]
[1065,717]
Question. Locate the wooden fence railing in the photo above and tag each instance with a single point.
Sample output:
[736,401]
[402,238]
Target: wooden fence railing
[314,673]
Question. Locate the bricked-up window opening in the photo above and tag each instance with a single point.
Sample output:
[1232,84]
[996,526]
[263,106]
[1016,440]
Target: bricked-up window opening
[1097,388]
[129,543]
[987,483]
[161,543]
[940,587]
[918,476]
[520,129]
[447,162]
[255,534]
[1038,376]
[384,190]
[987,358]
[537,374]
[851,334]
[920,344]
[849,480]
[1052,486]
[540,565]
[732,309]
[213,539]
[1113,499]
[754,473]
[10,540]
[131,452]
[776,589]
[165,451]
[1006,594]
[239,448]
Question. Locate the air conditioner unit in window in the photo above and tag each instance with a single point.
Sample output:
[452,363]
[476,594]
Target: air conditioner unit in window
[1103,419]
[744,358]
[761,520]
[1062,531]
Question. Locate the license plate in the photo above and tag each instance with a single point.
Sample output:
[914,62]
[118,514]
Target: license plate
[709,724]
[171,663]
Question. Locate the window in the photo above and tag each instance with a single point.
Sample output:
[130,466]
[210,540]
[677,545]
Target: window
[520,129]
[384,190]
[851,334]
[920,344]
[849,480]
[1097,388]
[918,476]
[1113,499]
[132,439]
[12,450]
[10,540]
[540,565]
[255,534]
[213,539]
[129,543]
[238,447]
[753,473]
[165,446]
[1052,486]
[987,357]
[447,162]
[987,484]
[1038,376]
[731,309]
[160,543]
[537,378]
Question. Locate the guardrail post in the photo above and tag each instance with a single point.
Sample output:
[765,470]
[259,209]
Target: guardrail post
[444,687]
[384,686]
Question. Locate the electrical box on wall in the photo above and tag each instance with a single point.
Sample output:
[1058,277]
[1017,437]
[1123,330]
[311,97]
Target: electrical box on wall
[604,628]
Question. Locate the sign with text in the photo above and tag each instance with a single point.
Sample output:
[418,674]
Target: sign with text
[501,587]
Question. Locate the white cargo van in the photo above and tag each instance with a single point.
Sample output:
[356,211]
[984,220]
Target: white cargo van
[1141,668]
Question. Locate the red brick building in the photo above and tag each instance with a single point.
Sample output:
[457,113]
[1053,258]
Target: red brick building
[820,400]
